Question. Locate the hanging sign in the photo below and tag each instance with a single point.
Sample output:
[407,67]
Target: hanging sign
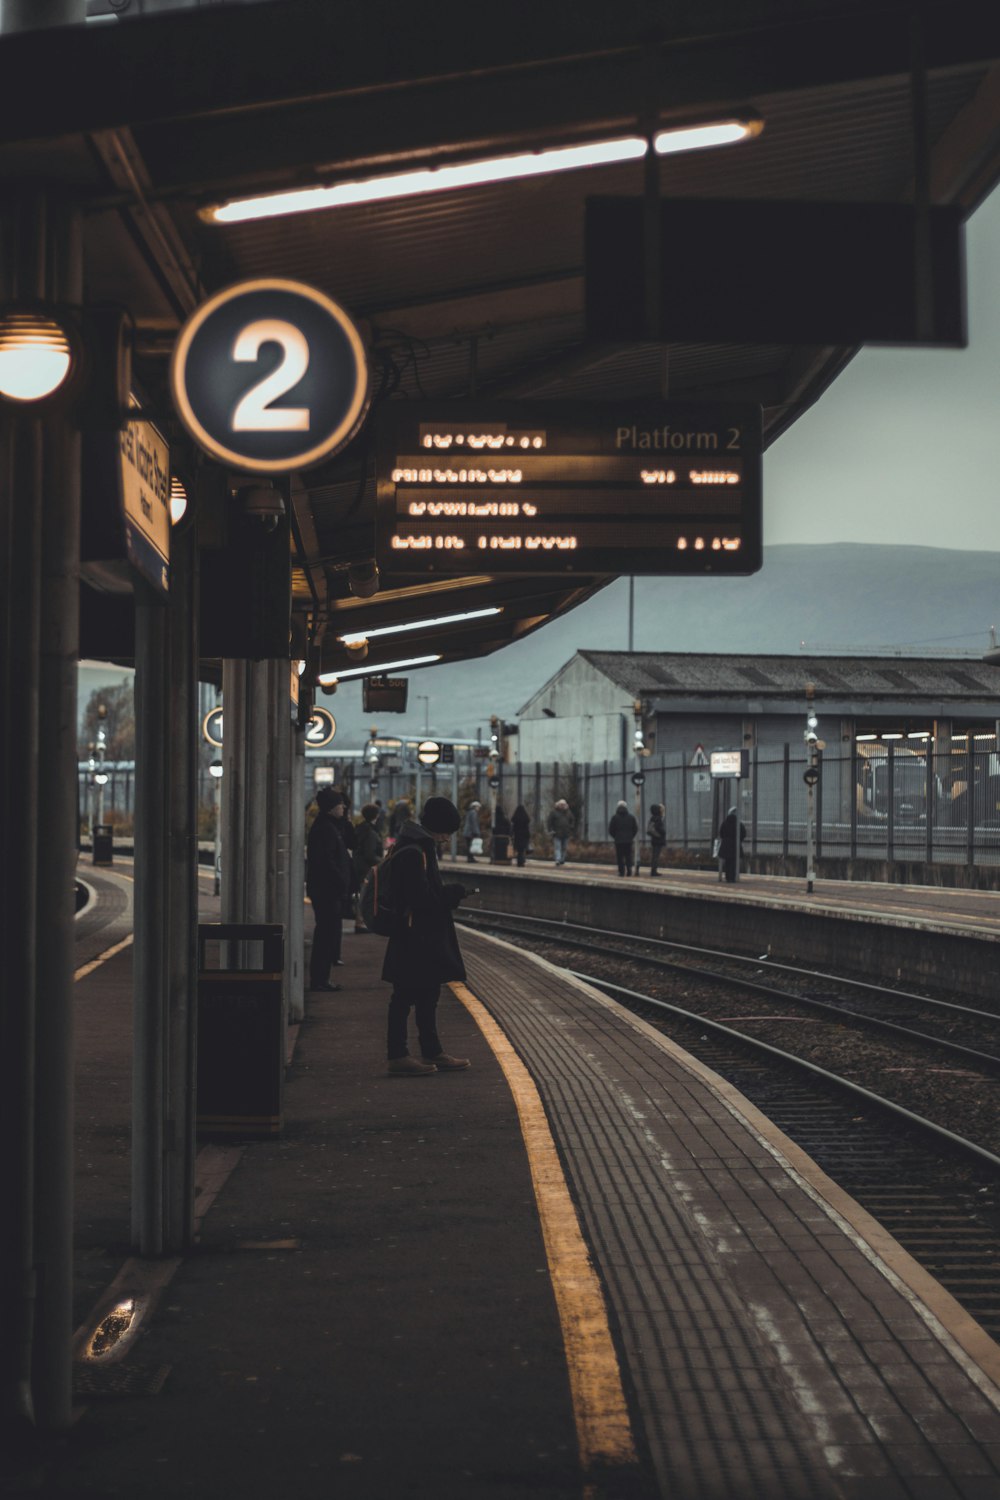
[320,728]
[211,727]
[270,376]
[144,478]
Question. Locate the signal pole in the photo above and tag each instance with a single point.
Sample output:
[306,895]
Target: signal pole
[811,777]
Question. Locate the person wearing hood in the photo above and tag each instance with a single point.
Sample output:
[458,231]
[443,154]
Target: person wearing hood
[520,827]
[562,827]
[329,878]
[422,952]
[623,829]
[656,832]
[472,831]
[729,848]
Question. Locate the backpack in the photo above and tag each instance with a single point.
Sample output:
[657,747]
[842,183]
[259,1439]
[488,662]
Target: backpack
[375,903]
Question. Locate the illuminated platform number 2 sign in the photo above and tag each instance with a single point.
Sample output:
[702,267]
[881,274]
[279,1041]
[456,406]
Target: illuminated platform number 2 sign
[270,376]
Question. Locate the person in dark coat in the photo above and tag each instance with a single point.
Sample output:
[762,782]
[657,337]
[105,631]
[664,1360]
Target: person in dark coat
[656,832]
[520,827]
[729,851]
[501,835]
[399,815]
[623,829]
[366,853]
[422,952]
[328,885]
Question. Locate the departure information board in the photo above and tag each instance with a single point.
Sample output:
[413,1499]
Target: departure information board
[555,487]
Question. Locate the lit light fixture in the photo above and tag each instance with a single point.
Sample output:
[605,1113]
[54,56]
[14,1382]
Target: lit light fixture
[471,614]
[699,137]
[892,736]
[920,735]
[428,180]
[178,501]
[386,666]
[35,356]
[866,737]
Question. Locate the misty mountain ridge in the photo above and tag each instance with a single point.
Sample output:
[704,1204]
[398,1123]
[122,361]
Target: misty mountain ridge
[840,598]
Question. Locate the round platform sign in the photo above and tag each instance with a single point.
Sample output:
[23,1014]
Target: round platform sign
[211,726]
[270,376]
[494,783]
[428,752]
[321,727]
[810,776]
[639,779]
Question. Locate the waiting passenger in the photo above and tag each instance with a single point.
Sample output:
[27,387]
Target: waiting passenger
[472,832]
[623,829]
[520,827]
[366,853]
[422,952]
[328,885]
[730,851]
[656,832]
[501,835]
[561,826]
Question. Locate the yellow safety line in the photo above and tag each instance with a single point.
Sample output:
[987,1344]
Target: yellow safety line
[102,958]
[603,1429]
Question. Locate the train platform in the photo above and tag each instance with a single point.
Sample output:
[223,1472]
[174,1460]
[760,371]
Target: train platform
[584,1267]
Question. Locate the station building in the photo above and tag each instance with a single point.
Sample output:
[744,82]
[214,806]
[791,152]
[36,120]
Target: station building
[586,713]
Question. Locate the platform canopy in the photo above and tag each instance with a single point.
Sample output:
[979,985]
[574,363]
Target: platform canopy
[482,290]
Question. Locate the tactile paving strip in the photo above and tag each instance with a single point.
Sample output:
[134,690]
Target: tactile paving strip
[768,1353]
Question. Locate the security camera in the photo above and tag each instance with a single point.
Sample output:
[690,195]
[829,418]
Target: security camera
[363,579]
[811,738]
[264,503]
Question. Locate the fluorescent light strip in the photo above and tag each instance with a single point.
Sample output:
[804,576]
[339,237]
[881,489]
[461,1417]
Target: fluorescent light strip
[476,173]
[387,666]
[431,180]
[698,137]
[367,635]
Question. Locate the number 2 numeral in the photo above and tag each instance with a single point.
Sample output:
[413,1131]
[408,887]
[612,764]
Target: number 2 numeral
[254,412]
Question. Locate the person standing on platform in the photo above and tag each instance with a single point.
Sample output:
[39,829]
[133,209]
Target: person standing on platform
[520,828]
[656,832]
[422,952]
[328,886]
[399,815]
[562,827]
[501,835]
[367,852]
[730,850]
[623,829]
[472,832]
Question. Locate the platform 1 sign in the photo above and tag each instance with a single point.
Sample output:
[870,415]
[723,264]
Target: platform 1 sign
[555,487]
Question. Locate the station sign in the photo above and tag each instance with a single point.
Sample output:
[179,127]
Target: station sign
[211,727]
[321,727]
[144,482]
[810,775]
[270,376]
[734,764]
[384,695]
[553,487]
[639,779]
[494,783]
[428,752]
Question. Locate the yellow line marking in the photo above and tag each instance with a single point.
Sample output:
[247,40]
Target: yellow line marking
[603,1429]
[102,958]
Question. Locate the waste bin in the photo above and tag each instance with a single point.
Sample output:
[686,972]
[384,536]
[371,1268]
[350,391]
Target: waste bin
[241,1034]
[104,850]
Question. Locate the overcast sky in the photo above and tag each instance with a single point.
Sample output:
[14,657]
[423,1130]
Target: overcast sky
[903,446]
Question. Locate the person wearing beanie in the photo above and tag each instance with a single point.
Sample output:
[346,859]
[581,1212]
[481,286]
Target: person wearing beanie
[328,884]
[422,952]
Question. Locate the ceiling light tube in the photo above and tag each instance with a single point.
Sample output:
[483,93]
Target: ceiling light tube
[367,635]
[429,180]
[678,138]
[326,678]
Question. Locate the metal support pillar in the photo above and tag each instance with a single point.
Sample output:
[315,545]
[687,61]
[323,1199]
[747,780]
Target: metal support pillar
[182,907]
[152,882]
[297,855]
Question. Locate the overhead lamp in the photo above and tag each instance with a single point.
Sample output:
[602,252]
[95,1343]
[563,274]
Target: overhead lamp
[363,579]
[386,666]
[428,180]
[178,501]
[35,355]
[470,614]
[729,132]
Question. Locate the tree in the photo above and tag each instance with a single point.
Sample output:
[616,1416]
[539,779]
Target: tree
[118,722]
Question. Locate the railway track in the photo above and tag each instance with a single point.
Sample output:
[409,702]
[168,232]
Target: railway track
[934,1189]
